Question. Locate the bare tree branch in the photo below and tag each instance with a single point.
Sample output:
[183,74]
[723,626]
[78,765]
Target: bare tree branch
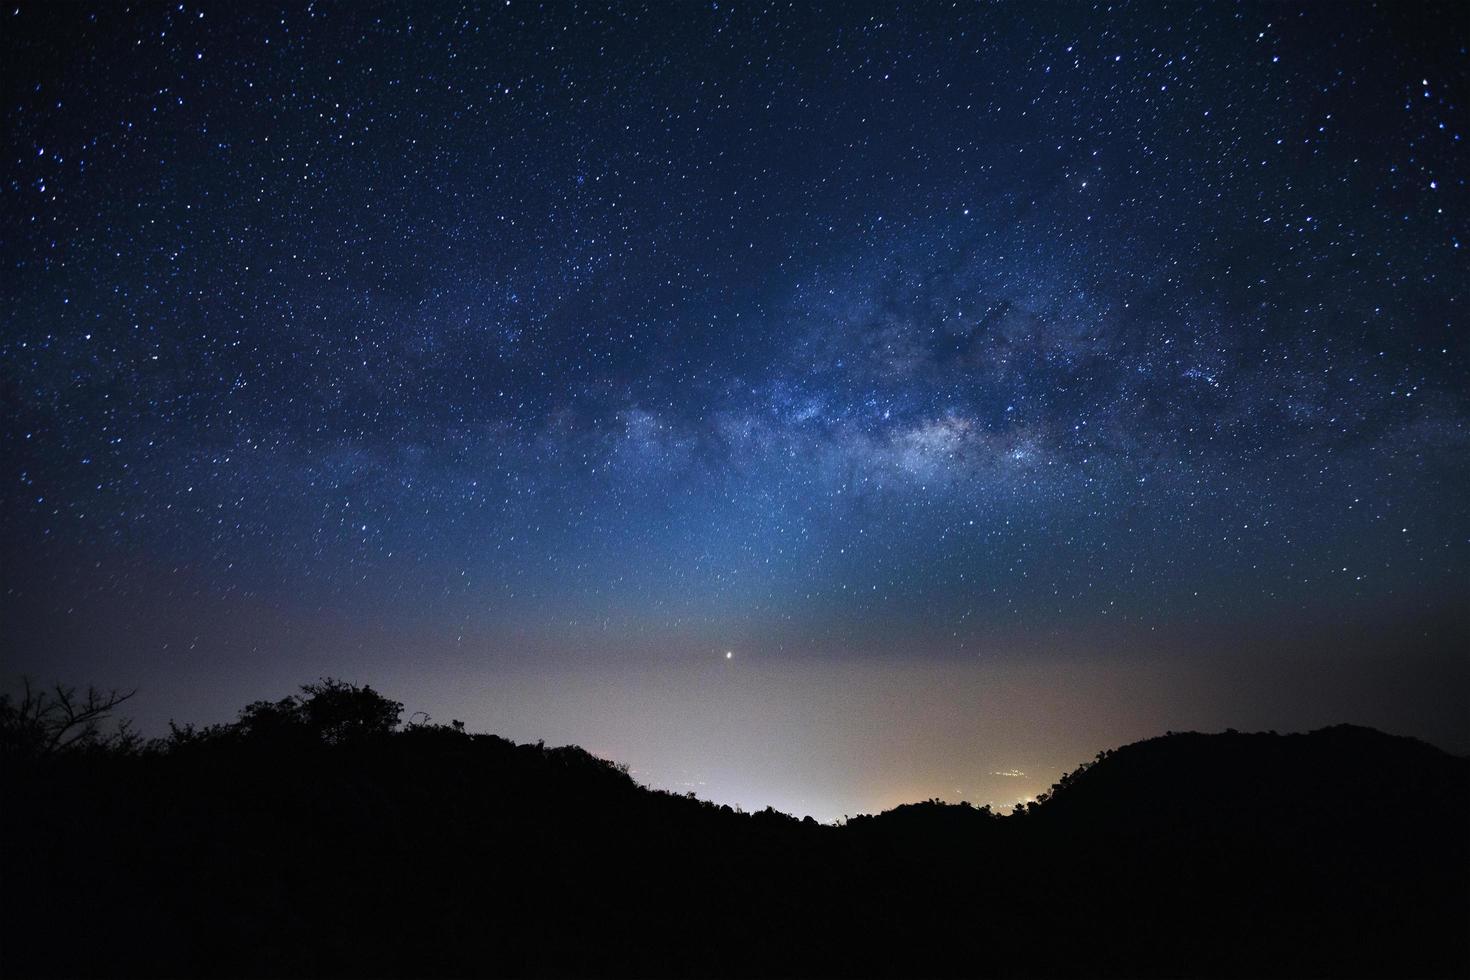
[45,722]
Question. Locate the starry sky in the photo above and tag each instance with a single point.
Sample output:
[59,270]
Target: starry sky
[993,383]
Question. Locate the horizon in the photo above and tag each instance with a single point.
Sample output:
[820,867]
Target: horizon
[997,757]
[712,792]
[825,408]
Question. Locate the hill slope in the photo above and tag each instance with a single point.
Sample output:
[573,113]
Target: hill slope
[430,852]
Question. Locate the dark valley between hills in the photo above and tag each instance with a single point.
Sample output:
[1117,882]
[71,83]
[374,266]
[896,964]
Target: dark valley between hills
[319,837]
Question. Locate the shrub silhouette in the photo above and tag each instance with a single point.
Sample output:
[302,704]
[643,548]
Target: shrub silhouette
[330,711]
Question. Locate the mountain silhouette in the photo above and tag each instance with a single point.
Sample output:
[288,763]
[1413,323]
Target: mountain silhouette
[318,837]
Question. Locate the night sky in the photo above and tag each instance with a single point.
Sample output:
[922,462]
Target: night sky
[823,406]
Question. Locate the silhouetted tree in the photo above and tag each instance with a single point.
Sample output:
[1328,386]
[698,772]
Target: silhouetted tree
[45,722]
[331,711]
[336,711]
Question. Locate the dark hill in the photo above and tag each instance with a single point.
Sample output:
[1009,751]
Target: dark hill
[1340,852]
[292,844]
[1235,780]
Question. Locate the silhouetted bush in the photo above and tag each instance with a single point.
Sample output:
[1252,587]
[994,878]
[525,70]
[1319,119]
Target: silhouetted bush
[330,711]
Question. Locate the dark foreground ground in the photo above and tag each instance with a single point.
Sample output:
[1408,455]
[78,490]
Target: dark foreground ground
[275,848]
